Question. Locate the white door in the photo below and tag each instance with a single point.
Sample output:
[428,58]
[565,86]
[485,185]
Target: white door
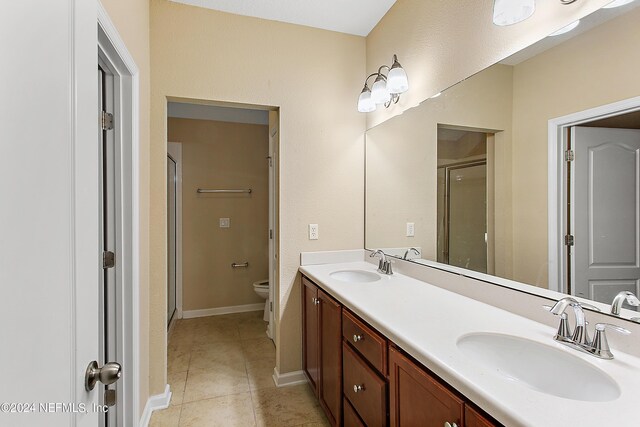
[606,214]
[49,226]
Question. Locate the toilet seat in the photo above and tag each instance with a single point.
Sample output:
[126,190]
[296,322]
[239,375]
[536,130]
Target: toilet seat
[261,284]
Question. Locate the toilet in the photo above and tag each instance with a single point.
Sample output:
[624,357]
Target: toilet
[262,288]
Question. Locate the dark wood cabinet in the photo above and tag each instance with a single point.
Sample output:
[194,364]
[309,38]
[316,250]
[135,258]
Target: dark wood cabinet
[473,418]
[417,399]
[364,388]
[362,379]
[351,418]
[310,335]
[322,349]
[330,392]
[369,343]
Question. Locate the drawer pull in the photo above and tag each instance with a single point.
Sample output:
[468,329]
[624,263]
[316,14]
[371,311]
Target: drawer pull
[359,388]
[357,338]
[448,424]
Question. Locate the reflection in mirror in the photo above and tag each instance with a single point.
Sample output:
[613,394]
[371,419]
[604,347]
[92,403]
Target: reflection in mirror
[462,198]
[528,170]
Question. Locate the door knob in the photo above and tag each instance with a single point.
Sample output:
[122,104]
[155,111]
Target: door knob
[108,374]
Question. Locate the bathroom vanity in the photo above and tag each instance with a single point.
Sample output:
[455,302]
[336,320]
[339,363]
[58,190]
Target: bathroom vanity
[363,379]
[393,350]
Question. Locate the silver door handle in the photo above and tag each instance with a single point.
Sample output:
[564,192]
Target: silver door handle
[108,374]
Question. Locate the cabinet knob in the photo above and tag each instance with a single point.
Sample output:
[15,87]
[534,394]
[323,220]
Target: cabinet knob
[315,301]
[358,388]
[357,337]
[448,424]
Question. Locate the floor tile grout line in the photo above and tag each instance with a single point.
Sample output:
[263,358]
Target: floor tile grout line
[250,336]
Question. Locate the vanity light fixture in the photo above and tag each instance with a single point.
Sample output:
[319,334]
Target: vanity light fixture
[386,89]
[509,12]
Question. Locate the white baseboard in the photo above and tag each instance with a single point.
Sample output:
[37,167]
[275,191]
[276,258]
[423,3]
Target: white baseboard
[290,378]
[190,314]
[155,403]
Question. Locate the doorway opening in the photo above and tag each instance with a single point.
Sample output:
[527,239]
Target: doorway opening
[462,208]
[222,192]
[596,202]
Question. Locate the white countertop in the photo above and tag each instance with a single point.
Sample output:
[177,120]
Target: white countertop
[426,322]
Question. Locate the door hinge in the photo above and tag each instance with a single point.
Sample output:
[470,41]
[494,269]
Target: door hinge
[569,156]
[270,234]
[108,259]
[271,306]
[270,160]
[568,240]
[106,121]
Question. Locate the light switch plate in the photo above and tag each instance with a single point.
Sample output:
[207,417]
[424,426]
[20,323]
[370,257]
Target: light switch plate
[411,229]
[225,222]
[313,232]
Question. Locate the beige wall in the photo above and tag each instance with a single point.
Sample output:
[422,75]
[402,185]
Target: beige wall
[227,156]
[440,43]
[131,19]
[596,68]
[314,76]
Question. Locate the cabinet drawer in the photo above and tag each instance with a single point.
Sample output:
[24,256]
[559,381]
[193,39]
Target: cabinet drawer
[371,345]
[351,418]
[370,399]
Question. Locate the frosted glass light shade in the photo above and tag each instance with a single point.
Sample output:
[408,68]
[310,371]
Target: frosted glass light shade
[508,12]
[397,81]
[379,92]
[365,103]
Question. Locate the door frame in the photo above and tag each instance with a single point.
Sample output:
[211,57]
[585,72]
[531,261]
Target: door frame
[274,222]
[113,52]
[556,182]
[174,150]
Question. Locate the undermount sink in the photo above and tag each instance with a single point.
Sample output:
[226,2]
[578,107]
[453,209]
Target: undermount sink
[355,276]
[540,367]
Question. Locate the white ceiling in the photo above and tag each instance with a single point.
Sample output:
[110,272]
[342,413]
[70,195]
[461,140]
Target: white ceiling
[346,16]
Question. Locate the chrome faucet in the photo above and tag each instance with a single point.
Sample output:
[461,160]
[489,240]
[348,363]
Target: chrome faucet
[414,250]
[579,339]
[579,336]
[384,266]
[622,297]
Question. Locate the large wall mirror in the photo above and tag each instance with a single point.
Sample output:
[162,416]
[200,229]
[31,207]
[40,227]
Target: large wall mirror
[527,171]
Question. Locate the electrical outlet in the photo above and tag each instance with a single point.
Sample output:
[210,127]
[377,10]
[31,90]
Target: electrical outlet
[313,231]
[411,229]
[225,222]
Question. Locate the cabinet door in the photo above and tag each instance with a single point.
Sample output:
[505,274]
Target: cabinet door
[330,357]
[310,336]
[417,399]
[473,418]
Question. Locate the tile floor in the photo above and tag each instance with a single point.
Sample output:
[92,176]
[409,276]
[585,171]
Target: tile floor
[219,370]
